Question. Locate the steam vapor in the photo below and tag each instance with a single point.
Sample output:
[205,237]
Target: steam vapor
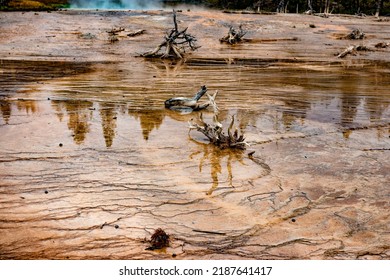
[115,4]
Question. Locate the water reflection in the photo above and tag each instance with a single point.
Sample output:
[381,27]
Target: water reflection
[214,157]
[79,113]
[108,115]
[287,95]
[6,110]
[149,120]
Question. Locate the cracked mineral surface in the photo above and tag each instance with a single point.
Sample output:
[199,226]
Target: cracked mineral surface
[91,163]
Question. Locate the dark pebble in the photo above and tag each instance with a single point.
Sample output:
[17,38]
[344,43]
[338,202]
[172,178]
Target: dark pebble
[46,192]
[116,226]
[174,255]
[60,145]
[293,220]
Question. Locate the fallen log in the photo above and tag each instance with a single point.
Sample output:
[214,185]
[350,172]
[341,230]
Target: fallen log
[382,45]
[184,103]
[115,31]
[136,33]
[352,50]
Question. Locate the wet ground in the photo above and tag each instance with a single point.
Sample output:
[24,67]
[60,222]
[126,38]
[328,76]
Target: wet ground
[91,163]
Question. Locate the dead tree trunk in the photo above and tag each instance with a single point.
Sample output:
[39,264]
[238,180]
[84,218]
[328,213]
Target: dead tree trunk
[233,36]
[280,8]
[378,7]
[327,6]
[310,11]
[175,43]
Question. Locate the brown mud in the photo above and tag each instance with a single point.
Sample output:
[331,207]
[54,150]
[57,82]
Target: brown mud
[91,163]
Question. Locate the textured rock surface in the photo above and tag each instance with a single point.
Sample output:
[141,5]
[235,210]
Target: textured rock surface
[91,163]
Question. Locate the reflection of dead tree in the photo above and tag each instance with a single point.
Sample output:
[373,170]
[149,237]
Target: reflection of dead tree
[214,132]
[175,43]
[213,157]
[233,36]
[352,50]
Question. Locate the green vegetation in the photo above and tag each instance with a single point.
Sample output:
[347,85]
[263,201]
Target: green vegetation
[368,7]
[32,5]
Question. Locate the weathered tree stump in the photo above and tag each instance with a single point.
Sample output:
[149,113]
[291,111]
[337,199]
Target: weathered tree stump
[233,36]
[214,132]
[175,43]
[382,45]
[355,34]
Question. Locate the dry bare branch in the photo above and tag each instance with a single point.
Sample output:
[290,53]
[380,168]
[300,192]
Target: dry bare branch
[352,50]
[214,132]
[175,42]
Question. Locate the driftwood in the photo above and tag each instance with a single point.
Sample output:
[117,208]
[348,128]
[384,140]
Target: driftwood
[175,43]
[355,34]
[352,50]
[115,33]
[184,103]
[233,36]
[382,45]
[136,33]
[214,132]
